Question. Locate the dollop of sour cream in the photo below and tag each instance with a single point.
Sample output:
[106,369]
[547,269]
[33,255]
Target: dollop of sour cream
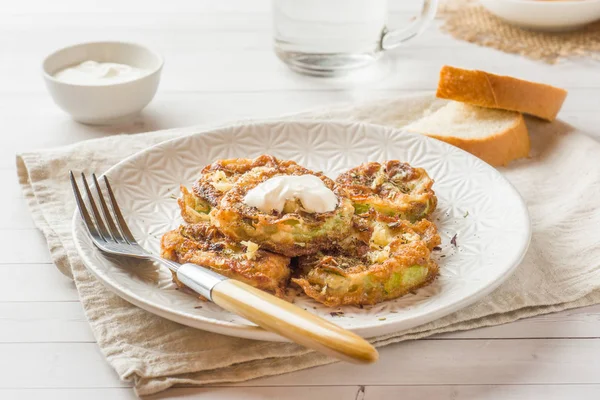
[97,73]
[274,192]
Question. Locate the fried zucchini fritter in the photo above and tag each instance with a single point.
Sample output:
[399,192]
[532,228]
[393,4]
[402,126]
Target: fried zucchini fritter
[292,232]
[391,188]
[219,177]
[193,209]
[384,258]
[202,244]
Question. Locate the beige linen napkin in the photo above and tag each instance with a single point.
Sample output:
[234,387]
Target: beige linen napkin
[560,183]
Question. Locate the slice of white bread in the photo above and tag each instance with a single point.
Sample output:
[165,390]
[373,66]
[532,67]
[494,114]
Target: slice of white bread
[504,92]
[495,136]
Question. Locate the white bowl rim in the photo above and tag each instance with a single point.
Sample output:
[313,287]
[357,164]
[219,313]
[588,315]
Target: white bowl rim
[156,54]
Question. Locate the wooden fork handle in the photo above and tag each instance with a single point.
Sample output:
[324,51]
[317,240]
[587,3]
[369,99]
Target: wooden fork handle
[292,322]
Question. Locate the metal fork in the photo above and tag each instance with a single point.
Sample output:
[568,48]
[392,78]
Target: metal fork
[111,235]
[116,238]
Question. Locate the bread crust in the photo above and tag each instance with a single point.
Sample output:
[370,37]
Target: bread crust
[483,89]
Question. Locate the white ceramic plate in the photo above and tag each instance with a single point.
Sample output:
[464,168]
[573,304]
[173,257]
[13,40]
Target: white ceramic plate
[545,15]
[476,204]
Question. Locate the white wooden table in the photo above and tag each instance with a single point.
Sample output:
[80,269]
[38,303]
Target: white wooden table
[220,66]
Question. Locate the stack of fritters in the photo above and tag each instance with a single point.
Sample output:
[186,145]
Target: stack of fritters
[374,246]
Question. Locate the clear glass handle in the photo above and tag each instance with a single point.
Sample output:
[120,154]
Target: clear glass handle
[394,38]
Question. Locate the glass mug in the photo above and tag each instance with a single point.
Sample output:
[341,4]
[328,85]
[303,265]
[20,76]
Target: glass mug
[330,37]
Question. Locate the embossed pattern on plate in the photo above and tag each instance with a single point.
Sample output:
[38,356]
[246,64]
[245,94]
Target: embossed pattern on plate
[476,204]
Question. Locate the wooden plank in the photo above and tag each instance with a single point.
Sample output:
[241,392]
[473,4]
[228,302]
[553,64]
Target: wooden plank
[55,365]
[262,393]
[258,393]
[24,246]
[19,216]
[448,362]
[69,394]
[10,181]
[12,197]
[579,322]
[488,392]
[466,362]
[43,322]
[159,7]
[34,282]
[454,392]
[150,6]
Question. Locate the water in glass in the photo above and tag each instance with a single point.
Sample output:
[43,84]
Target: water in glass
[327,37]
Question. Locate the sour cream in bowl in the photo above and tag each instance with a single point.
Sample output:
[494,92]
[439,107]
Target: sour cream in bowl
[102,82]
[99,73]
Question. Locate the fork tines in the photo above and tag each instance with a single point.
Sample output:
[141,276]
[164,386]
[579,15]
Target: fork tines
[101,227]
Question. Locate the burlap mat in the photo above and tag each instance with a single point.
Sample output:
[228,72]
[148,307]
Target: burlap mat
[560,184]
[468,20]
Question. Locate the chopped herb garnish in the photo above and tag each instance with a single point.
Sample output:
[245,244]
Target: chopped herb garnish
[437,248]
[453,240]
[382,319]
[466,214]
[336,313]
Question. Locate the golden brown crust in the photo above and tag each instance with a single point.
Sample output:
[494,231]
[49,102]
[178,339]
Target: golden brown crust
[382,273]
[294,231]
[204,245]
[384,258]
[497,150]
[393,188]
[193,209]
[428,233]
[223,174]
[483,89]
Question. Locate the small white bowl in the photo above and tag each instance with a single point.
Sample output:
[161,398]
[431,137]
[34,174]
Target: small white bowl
[545,15]
[103,104]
